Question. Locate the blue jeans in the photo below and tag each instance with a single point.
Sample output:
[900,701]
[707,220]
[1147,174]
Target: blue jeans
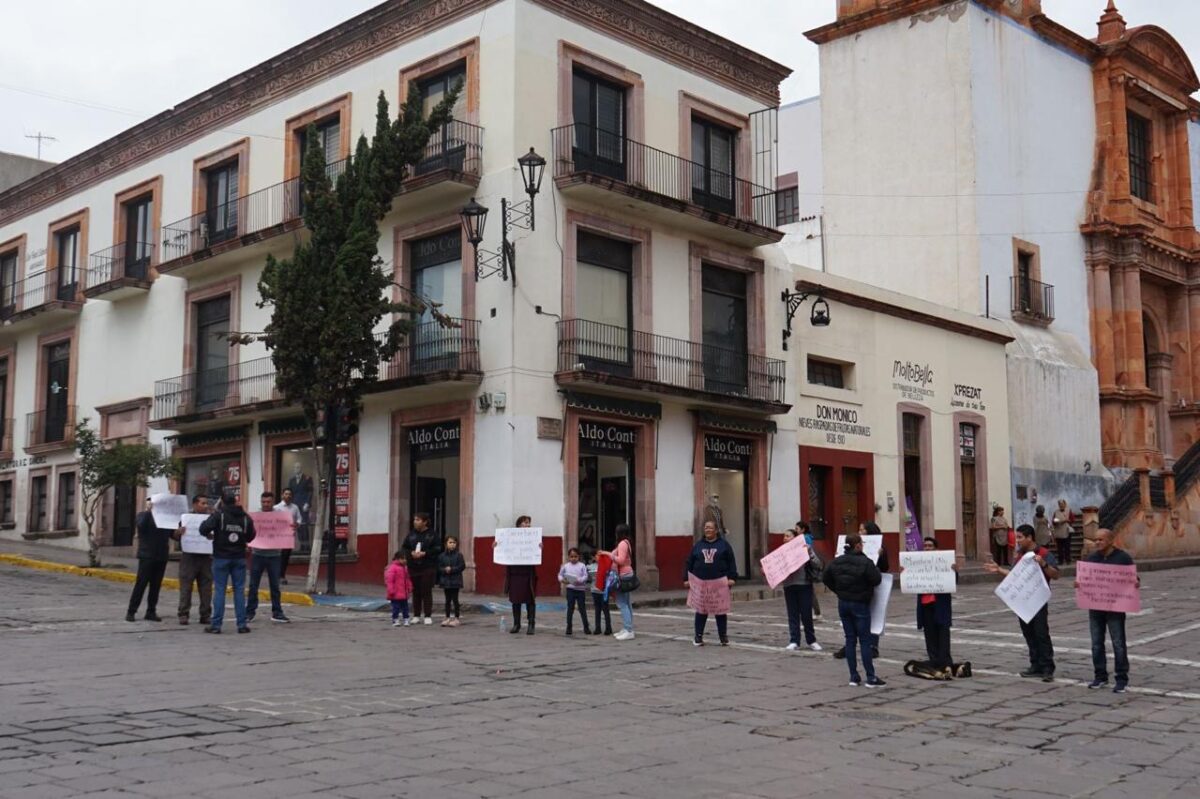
[271,565]
[225,569]
[625,604]
[399,606]
[856,624]
[1114,623]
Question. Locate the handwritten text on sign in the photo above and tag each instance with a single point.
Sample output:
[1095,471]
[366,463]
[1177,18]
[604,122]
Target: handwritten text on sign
[708,596]
[928,572]
[784,561]
[191,541]
[871,546]
[167,508]
[518,546]
[1025,589]
[1107,586]
[273,530]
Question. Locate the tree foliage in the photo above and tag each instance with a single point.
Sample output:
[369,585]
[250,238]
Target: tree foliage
[329,298]
[102,467]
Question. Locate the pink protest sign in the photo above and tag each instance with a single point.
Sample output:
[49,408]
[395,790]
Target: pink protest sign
[1106,586]
[778,565]
[708,596]
[273,530]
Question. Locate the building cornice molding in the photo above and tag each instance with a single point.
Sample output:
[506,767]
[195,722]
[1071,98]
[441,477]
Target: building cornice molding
[674,39]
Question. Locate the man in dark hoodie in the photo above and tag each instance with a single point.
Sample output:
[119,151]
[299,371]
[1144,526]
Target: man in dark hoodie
[230,529]
[154,549]
[711,559]
[853,578]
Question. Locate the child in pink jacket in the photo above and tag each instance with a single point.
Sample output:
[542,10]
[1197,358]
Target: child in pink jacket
[399,587]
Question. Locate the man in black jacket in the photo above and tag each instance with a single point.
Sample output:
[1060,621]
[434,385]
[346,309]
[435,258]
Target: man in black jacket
[230,529]
[853,578]
[154,549]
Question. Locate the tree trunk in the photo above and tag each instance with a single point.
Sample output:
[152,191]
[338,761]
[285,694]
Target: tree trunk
[89,518]
[324,490]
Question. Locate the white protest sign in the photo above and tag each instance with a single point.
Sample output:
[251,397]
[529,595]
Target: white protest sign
[928,572]
[518,546]
[879,604]
[167,508]
[871,546]
[1025,589]
[192,542]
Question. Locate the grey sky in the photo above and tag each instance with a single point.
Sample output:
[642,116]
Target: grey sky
[116,62]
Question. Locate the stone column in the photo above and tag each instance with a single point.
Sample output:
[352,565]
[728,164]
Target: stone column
[1143,478]
[1193,301]
[1168,477]
[1135,342]
[1102,324]
[1117,287]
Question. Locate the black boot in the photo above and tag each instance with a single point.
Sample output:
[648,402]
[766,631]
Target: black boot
[529,630]
[516,628]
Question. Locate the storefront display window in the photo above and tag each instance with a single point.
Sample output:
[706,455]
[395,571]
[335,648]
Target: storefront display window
[211,476]
[296,469]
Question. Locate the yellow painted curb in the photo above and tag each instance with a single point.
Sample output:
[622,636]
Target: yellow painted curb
[114,576]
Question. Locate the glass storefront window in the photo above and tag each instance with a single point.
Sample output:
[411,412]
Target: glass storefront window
[296,469]
[211,476]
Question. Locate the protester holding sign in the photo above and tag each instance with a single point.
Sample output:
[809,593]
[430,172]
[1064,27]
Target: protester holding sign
[934,616]
[1107,553]
[1037,629]
[195,568]
[267,560]
[154,549]
[622,560]
[874,549]
[798,596]
[421,549]
[230,529]
[853,578]
[711,563]
[520,583]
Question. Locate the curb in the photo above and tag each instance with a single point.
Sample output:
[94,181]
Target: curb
[114,576]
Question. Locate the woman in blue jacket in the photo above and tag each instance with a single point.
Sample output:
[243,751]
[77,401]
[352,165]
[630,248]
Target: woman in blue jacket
[711,558]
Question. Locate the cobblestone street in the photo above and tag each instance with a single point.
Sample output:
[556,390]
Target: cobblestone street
[339,704]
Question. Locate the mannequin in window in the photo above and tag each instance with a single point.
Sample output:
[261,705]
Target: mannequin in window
[712,513]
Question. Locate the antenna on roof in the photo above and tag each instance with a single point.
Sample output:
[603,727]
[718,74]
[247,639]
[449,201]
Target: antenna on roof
[41,137]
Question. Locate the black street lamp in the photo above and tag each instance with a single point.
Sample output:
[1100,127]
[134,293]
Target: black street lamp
[474,218]
[819,317]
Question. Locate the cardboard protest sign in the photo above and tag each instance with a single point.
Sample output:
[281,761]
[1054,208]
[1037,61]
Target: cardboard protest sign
[1108,587]
[518,546]
[871,546]
[192,542]
[879,603]
[784,561]
[273,530]
[708,596]
[166,509]
[1025,589]
[928,572]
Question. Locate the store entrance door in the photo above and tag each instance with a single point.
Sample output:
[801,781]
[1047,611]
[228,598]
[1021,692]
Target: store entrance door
[606,483]
[727,493]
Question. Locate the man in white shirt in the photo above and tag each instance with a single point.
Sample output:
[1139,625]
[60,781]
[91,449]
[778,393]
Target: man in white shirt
[297,519]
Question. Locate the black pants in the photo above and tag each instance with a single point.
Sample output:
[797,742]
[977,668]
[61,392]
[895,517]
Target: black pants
[937,638]
[422,580]
[1037,638]
[577,599]
[601,606]
[149,575]
[260,565]
[1000,553]
[1064,550]
[529,607]
[702,622]
[285,556]
[1099,622]
[452,599]
[799,600]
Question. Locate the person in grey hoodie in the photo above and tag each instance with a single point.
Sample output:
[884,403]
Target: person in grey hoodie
[798,596]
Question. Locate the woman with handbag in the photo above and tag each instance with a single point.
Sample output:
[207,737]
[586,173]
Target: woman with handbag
[627,581]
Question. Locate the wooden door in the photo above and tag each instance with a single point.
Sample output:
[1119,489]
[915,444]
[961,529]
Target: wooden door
[850,515]
[970,507]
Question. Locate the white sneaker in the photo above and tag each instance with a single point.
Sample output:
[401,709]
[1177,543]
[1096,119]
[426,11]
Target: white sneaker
[792,647]
[814,646]
[624,635]
[407,622]
[429,620]
[396,622]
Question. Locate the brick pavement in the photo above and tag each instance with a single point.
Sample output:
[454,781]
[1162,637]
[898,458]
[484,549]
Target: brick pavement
[339,704]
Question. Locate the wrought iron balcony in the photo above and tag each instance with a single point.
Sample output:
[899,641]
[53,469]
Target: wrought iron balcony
[1032,301]
[51,426]
[593,351]
[121,265]
[429,354]
[39,293]
[590,156]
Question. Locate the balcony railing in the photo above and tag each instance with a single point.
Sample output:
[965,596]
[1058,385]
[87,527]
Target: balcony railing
[1032,300]
[125,260]
[430,349]
[585,346]
[457,147]
[244,216]
[51,426]
[582,148]
[6,435]
[38,290]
